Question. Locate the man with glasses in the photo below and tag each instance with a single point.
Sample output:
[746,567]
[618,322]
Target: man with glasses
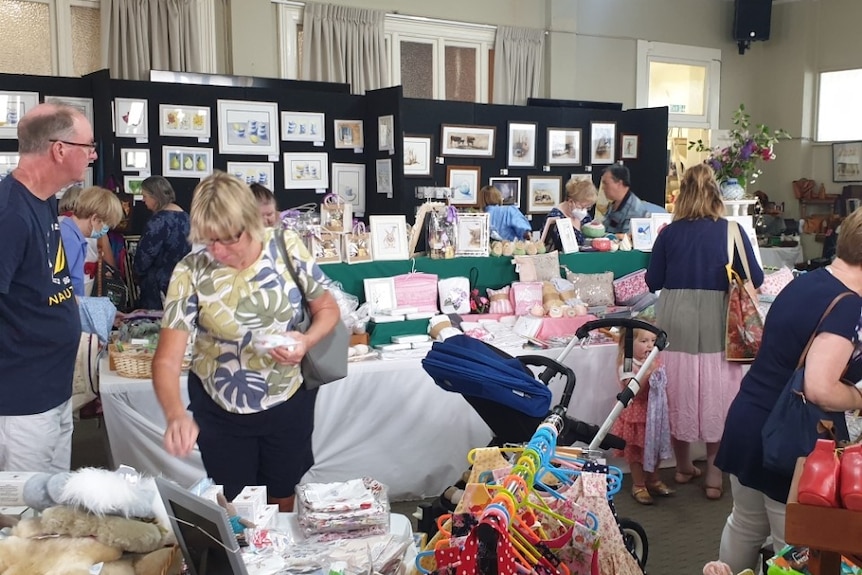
[39,324]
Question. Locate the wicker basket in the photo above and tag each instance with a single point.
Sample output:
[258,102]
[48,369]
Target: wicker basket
[133,362]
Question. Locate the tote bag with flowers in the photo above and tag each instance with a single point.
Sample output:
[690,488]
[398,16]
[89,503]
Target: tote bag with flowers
[744,328]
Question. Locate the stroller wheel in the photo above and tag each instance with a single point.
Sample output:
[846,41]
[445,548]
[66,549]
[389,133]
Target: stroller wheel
[635,539]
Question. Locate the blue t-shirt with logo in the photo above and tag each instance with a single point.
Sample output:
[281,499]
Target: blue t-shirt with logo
[40,328]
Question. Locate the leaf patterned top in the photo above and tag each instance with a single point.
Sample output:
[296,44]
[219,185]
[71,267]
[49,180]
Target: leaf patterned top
[228,307]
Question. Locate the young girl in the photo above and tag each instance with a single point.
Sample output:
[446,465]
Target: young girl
[644,423]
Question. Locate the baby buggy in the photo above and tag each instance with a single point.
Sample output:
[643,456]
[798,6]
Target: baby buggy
[512,396]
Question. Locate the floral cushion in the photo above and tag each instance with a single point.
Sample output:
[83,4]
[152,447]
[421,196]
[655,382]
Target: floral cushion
[776,281]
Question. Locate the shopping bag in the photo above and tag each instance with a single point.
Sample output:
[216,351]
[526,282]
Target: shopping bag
[744,327]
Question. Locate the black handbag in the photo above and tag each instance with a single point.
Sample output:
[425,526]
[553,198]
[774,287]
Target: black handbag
[110,284]
[326,361]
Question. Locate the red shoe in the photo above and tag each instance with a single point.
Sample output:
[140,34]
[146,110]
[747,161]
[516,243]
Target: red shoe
[851,477]
[818,484]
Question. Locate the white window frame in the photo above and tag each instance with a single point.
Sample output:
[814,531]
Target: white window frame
[709,58]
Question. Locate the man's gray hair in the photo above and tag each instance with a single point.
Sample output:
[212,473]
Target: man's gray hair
[53,122]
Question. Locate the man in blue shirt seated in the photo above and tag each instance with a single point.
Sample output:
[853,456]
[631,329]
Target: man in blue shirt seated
[624,205]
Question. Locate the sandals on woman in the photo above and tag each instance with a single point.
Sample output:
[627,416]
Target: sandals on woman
[683,477]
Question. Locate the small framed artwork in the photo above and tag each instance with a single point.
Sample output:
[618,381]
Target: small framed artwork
[543,193]
[564,147]
[135,159]
[603,142]
[642,237]
[349,134]
[303,126]
[568,239]
[628,146]
[8,162]
[13,106]
[473,235]
[389,237]
[88,178]
[130,118]
[132,185]
[190,121]
[379,293]
[522,145]
[348,181]
[383,172]
[510,188]
[386,133]
[306,171]
[852,204]
[262,173]
[660,222]
[186,162]
[468,141]
[247,127]
[847,162]
[83,105]
[417,156]
[464,181]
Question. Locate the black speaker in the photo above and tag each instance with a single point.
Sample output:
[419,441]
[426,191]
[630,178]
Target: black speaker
[751,19]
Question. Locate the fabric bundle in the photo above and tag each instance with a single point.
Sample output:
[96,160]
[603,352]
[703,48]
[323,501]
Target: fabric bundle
[354,508]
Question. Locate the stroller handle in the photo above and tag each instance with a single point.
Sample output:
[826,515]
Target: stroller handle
[660,335]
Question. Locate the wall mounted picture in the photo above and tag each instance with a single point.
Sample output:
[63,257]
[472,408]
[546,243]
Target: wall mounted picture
[306,171]
[13,106]
[132,185]
[348,181]
[847,162]
[468,141]
[247,127]
[88,179]
[603,142]
[464,181]
[510,188]
[386,133]
[641,230]
[417,156]
[564,147]
[389,237]
[522,145]
[186,162]
[543,193]
[349,134]
[628,146]
[135,159]
[130,118]
[262,173]
[384,176]
[473,235]
[8,162]
[84,105]
[379,293]
[190,121]
[303,126]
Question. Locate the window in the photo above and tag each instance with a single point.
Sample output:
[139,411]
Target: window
[839,114]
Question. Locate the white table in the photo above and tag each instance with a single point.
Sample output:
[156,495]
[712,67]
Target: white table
[386,419]
[778,257]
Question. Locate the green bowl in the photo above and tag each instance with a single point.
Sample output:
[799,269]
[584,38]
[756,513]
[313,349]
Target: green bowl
[593,231]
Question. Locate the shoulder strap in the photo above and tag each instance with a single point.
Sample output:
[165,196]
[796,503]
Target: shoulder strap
[734,239]
[282,248]
[829,309]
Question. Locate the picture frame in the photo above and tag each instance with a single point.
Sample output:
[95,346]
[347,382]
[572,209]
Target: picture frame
[568,239]
[132,186]
[629,146]
[642,234]
[521,149]
[543,193]
[13,107]
[473,235]
[306,170]
[135,159]
[131,119]
[852,204]
[87,180]
[247,127]
[8,162]
[262,173]
[464,182]
[386,133]
[303,126]
[379,293]
[185,121]
[660,222]
[389,237]
[467,141]
[603,142]
[417,156]
[348,182]
[847,162]
[184,162]
[83,105]
[383,172]
[349,134]
[510,188]
[564,146]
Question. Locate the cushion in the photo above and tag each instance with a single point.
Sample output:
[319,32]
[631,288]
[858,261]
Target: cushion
[594,289]
[630,287]
[500,301]
[776,281]
[537,268]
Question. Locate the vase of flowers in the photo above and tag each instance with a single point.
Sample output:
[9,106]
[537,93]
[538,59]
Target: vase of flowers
[737,165]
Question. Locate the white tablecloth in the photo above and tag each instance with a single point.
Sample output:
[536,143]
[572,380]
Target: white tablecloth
[386,419]
[778,257]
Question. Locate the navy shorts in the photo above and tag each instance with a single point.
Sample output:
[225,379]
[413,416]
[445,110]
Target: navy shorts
[271,447]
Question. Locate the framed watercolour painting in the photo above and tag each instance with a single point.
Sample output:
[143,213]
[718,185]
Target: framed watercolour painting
[386,133]
[349,134]
[348,181]
[190,121]
[568,239]
[303,126]
[135,160]
[83,105]
[628,146]
[847,162]
[186,162]
[464,181]
[379,293]
[247,127]
[473,235]
[130,118]
[383,173]
[8,162]
[642,238]
[306,171]
[522,145]
[262,173]
[603,142]
[417,156]
[13,106]
[510,188]
[132,185]
[564,147]
[543,193]
[389,237]
[467,141]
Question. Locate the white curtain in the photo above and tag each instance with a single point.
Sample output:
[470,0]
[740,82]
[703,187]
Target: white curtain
[518,56]
[345,45]
[140,35]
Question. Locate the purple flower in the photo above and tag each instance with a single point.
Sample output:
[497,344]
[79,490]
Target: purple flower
[747,149]
[714,164]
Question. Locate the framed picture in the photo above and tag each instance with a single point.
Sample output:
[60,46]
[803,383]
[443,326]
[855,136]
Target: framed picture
[262,173]
[303,126]
[348,181]
[660,222]
[13,106]
[191,121]
[847,162]
[417,156]
[467,141]
[186,162]
[522,145]
[389,237]
[349,134]
[642,237]
[83,105]
[852,204]
[603,142]
[384,176]
[628,146]
[8,162]
[247,127]
[568,239]
[135,159]
[88,178]
[473,235]
[306,171]
[130,118]
[510,188]
[464,181]
[132,185]
[543,193]
[386,133]
[564,147]
[380,293]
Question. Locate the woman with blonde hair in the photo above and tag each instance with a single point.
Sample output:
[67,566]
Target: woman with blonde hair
[688,265]
[581,195]
[252,417]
